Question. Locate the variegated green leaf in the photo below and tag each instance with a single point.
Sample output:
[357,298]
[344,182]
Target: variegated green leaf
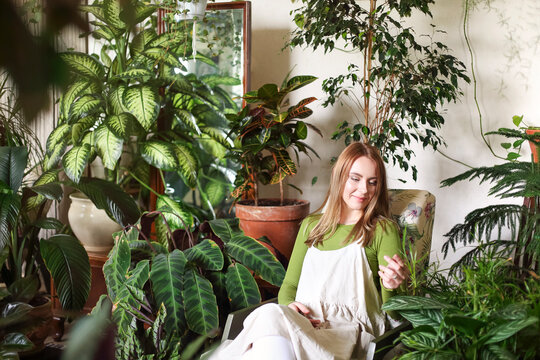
[123,125]
[187,119]
[241,287]
[134,74]
[225,229]
[188,164]
[212,147]
[85,105]
[143,11]
[116,99]
[140,40]
[175,212]
[80,128]
[256,257]
[109,146]
[159,154]
[54,155]
[46,178]
[200,303]
[206,254]
[111,12]
[167,275]
[217,135]
[216,79]
[57,136]
[75,160]
[161,55]
[96,10]
[70,95]
[216,189]
[143,102]
[84,65]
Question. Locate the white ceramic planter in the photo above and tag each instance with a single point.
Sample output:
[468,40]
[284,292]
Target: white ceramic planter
[91,225]
[190,10]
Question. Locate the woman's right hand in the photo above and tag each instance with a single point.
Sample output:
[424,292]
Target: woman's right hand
[303,309]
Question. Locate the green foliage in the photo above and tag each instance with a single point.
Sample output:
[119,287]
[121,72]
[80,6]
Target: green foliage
[489,310]
[182,288]
[400,81]
[115,99]
[510,180]
[265,132]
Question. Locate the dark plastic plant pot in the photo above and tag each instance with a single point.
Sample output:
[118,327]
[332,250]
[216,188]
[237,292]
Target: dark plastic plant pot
[279,224]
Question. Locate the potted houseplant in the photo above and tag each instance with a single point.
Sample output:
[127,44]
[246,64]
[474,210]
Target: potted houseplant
[399,83]
[264,132]
[132,107]
[167,294]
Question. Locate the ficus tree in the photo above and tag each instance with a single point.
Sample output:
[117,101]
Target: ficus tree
[400,80]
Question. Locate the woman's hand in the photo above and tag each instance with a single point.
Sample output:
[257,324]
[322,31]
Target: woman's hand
[302,309]
[393,274]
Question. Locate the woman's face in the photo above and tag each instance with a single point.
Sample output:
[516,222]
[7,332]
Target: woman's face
[359,188]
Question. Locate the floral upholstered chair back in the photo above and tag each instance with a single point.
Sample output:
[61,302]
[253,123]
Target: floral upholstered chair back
[414,211]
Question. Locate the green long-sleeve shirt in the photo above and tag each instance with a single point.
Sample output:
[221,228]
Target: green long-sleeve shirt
[385,242]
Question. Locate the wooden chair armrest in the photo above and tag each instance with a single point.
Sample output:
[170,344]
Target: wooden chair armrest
[235,320]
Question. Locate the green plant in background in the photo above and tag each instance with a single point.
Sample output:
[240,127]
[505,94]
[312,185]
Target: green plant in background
[165,295]
[111,108]
[397,87]
[264,133]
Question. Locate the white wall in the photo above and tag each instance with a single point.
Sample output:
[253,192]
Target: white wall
[504,38]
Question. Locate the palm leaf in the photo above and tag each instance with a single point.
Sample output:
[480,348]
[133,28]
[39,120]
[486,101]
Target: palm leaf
[256,257]
[143,102]
[109,146]
[206,254]
[69,266]
[75,160]
[200,303]
[84,65]
[241,287]
[167,283]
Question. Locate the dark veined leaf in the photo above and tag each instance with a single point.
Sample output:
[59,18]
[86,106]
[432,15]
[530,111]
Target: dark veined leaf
[25,288]
[109,146]
[12,164]
[414,303]
[300,111]
[507,329]
[206,254]
[14,342]
[167,275]
[241,287]
[430,317]
[200,303]
[111,198]
[84,65]
[188,163]
[256,257]
[297,82]
[225,229]
[67,261]
[160,154]
[465,324]
[116,268]
[143,102]
[51,191]
[49,224]
[75,160]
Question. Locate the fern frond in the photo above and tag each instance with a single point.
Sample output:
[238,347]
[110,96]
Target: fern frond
[480,223]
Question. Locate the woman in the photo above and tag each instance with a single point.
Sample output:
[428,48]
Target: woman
[344,265]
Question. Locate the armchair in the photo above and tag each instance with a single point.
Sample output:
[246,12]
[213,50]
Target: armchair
[414,211]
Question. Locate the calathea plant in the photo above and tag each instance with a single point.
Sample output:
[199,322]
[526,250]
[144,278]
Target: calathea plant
[264,131]
[111,108]
[399,83]
[164,295]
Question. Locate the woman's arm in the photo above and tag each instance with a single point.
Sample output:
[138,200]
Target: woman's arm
[287,292]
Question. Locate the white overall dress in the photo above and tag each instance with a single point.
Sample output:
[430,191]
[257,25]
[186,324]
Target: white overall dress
[338,287]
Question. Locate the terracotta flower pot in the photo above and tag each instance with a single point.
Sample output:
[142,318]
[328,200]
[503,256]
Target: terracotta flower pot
[534,148]
[91,225]
[279,224]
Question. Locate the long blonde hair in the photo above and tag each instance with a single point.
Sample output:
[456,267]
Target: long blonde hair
[378,208]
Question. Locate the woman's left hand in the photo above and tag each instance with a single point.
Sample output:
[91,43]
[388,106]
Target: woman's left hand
[393,274]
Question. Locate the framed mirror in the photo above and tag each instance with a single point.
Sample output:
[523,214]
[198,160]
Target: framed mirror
[221,43]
